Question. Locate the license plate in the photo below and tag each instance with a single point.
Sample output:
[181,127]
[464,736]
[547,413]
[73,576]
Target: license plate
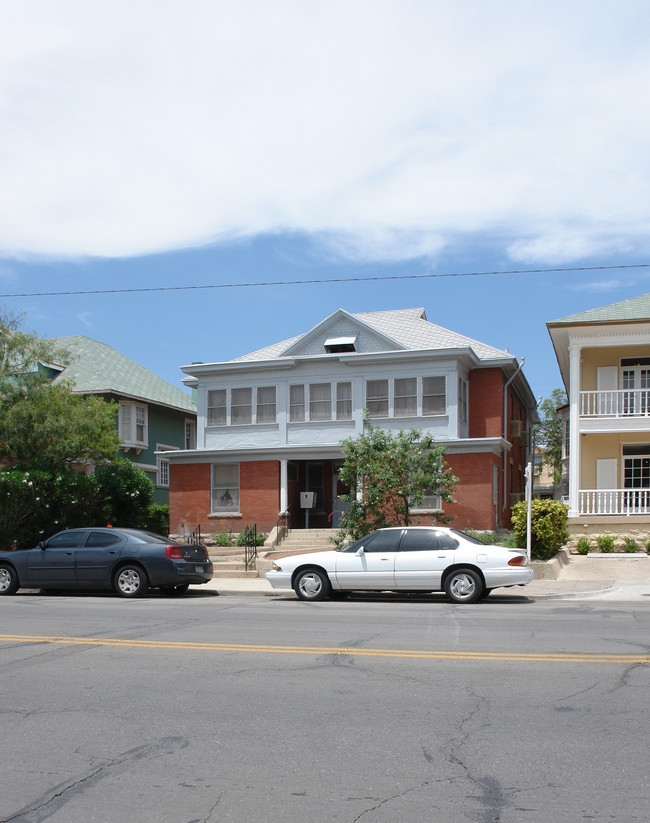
[198,568]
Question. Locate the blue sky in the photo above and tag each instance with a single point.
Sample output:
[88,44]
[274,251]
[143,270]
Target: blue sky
[168,144]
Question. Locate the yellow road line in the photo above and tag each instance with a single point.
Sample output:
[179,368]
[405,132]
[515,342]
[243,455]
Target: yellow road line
[548,657]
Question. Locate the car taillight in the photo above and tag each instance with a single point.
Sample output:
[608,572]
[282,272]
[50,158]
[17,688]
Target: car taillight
[518,560]
[174,552]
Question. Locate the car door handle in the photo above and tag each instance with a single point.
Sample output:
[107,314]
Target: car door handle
[69,552]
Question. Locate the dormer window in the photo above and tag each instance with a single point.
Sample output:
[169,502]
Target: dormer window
[338,345]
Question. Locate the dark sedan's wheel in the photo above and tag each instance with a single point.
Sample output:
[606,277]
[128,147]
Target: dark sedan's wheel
[175,591]
[8,579]
[130,581]
[311,584]
[463,586]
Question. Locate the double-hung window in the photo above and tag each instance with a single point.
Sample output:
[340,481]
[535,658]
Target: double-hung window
[132,424]
[405,396]
[241,406]
[434,395]
[296,404]
[344,401]
[266,404]
[225,487]
[377,398]
[320,401]
[217,408]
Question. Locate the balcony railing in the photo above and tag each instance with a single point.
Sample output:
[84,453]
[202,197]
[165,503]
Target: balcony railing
[614,501]
[620,403]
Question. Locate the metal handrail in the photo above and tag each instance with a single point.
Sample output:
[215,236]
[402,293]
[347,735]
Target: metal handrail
[195,535]
[250,545]
[282,527]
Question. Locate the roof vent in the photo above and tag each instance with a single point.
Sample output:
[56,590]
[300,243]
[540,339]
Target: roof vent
[336,345]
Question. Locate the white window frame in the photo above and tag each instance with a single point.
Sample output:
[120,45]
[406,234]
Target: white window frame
[162,465]
[128,424]
[377,399]
[405,397]
[344,403]
[189,433]
[214,408]
[444,394]
[462,400]
[224,496]
[266,405]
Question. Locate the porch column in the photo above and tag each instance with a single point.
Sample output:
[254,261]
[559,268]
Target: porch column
[574,429]
[284,486]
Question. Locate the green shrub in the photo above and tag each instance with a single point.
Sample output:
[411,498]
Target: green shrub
[242,537]
[223,539]
[158,519]
[630,545]
[494,538]
[549,520]
[584,545]
[605,543]
[646,546]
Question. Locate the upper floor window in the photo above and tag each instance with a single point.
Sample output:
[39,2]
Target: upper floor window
[132,424]
[189,441]
[320,401]
[462,400]
[409,397]
[241,406]
[434,395]
[406,396]
[377,397]
[162,465]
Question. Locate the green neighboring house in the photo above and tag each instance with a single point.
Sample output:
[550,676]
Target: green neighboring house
[154,416]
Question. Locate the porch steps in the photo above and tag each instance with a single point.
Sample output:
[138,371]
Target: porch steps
[307,540]
[230,563]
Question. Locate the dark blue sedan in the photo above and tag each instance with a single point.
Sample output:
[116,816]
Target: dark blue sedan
[128,561]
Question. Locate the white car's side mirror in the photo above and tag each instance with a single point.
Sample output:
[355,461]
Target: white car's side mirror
[360,551]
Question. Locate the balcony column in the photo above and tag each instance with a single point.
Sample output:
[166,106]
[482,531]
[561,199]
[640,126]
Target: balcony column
[574,429]
[284,486]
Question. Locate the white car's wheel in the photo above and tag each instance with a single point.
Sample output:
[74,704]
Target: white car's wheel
[463,586]
[311,584]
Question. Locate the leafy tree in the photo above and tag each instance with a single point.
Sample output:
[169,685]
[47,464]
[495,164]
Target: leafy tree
[44,425]
[48,426]
[550,432]
[22,353]
[389,474]
[128,491]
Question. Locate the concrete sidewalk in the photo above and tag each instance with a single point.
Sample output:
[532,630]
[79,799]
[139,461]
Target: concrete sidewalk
[603,577]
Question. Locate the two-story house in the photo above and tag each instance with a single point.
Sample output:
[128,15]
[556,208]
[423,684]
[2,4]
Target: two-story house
[270,423]
[604,359]
[154,416]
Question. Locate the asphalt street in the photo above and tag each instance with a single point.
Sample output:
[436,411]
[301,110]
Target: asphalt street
[375,708]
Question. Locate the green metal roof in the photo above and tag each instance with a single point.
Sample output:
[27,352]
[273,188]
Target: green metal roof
[636,308]
[96,368]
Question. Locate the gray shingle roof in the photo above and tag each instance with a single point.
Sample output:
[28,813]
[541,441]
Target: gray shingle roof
[408,328]
[636,308]
[97,368]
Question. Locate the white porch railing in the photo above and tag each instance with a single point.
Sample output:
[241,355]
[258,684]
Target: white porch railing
[614,501]
[620,403]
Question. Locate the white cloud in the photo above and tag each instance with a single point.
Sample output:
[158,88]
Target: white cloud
[387,128]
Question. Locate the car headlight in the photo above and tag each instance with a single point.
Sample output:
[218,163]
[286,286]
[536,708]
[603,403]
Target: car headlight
[276,568]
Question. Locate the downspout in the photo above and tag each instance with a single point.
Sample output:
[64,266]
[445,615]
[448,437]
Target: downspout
[505,429]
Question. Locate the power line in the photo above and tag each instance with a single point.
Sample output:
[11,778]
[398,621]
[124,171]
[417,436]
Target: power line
[374,278]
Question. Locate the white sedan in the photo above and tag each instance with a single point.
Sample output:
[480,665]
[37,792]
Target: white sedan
[408,559]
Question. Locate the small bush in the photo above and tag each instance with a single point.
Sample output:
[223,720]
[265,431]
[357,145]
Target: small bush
[630,545]
[646,546]
[242,538]
[158,519]
[605,543]
[584,545]
[223,539]
[549,520]
[494,538]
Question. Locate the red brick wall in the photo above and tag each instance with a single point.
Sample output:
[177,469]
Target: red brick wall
[474,509]
[486,403]
[189,498]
